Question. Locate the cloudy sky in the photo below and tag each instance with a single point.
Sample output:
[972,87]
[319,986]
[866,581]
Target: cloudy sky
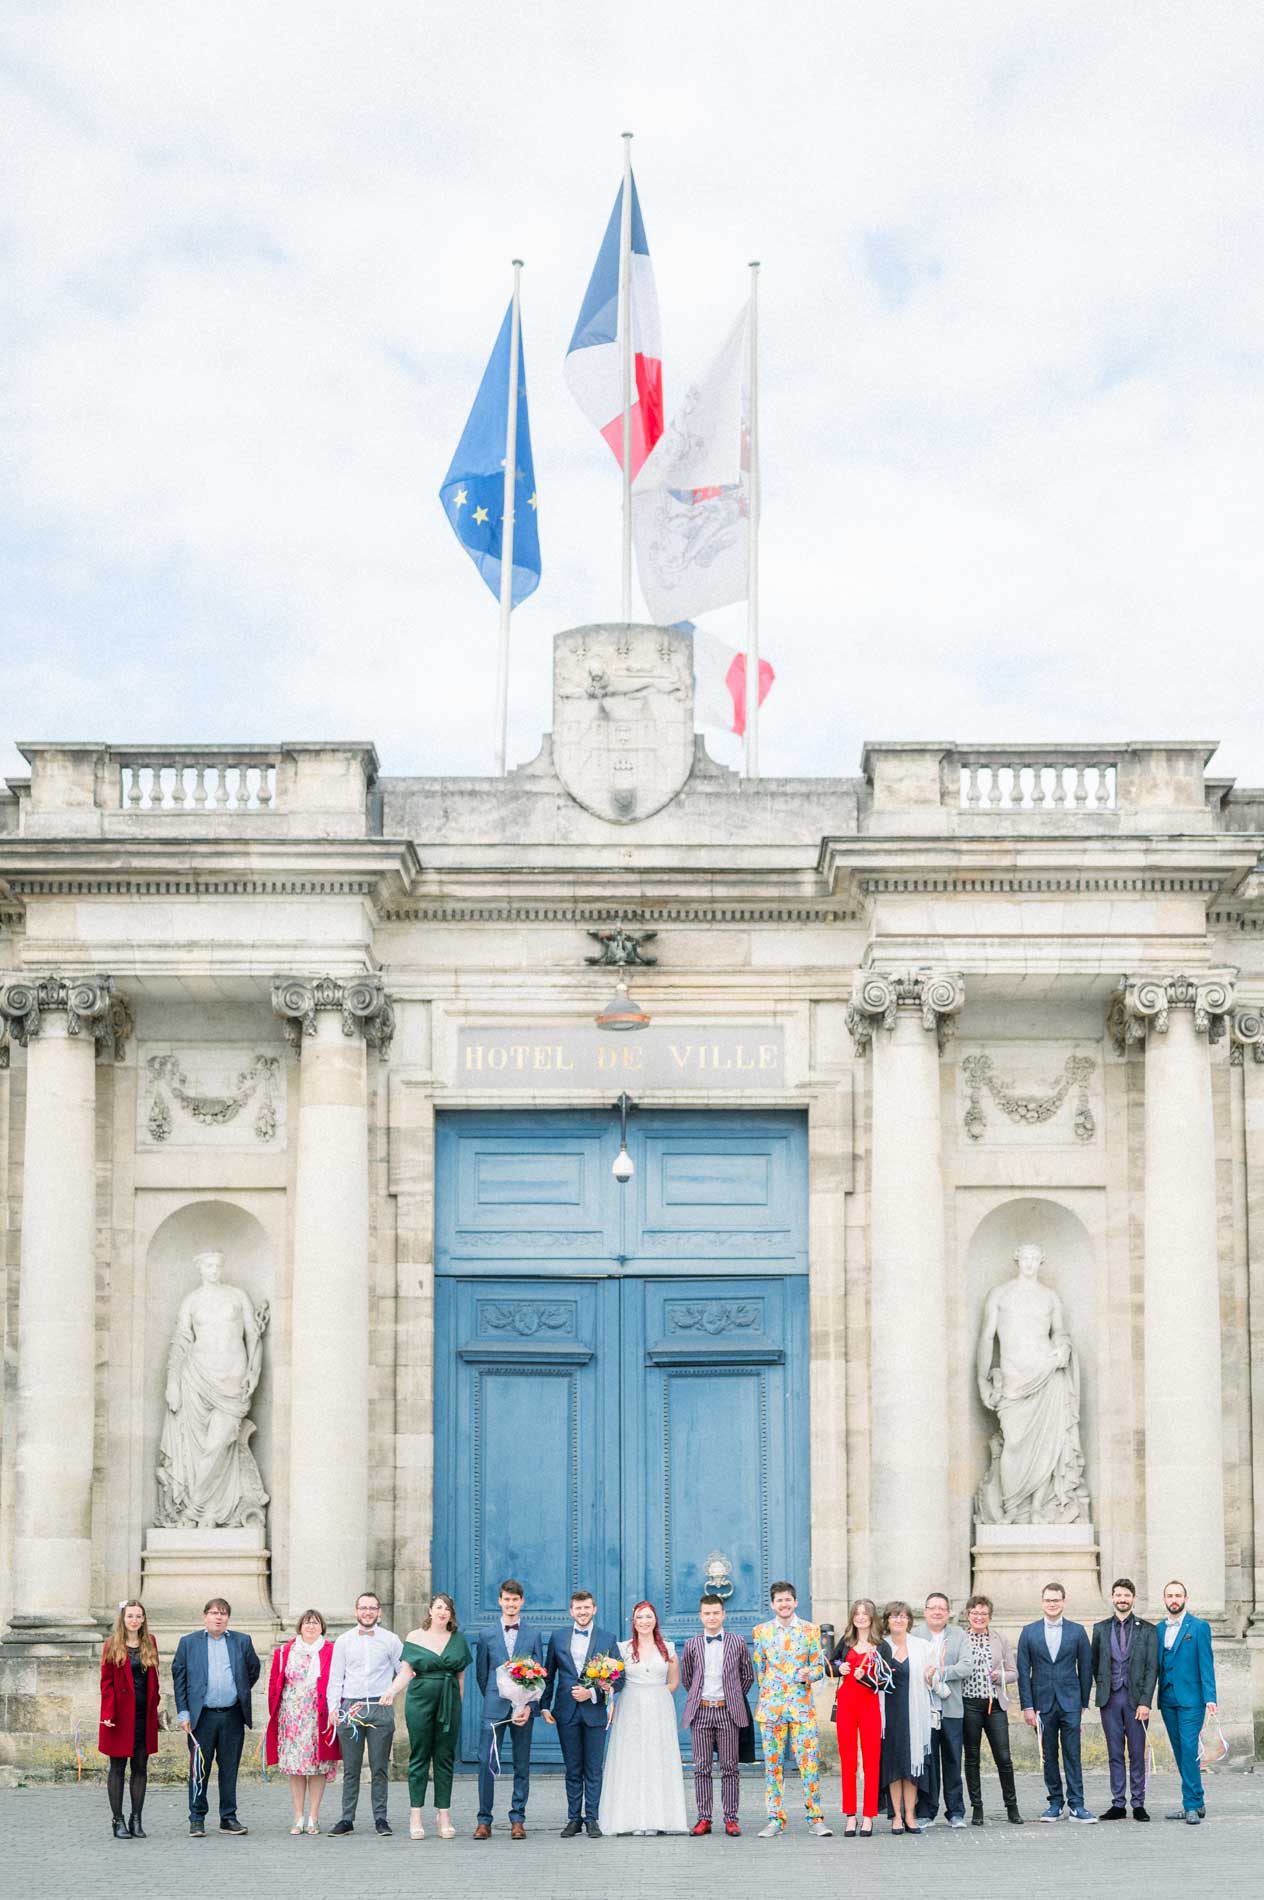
[255,256]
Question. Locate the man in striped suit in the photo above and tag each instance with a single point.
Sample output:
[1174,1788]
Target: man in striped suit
[716,1671]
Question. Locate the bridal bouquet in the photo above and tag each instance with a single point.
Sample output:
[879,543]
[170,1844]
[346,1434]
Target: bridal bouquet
[604,1672]
[521,1681]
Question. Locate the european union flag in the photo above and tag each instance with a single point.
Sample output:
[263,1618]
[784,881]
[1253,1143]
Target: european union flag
[473,491]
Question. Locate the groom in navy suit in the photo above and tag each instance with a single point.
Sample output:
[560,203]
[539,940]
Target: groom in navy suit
[1055,1676]
[579,1710]
[498,1645]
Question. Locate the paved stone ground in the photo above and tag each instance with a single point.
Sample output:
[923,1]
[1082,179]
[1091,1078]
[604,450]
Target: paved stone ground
[55,1844]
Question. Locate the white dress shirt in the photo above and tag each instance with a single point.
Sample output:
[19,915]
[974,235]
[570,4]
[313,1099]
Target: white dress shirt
[1053,1638]
[511,1638]
[364,1665]
[581,1642]
[1172,1631]
[712,1668]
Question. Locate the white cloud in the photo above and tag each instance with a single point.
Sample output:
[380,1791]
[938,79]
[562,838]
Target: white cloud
[255,257]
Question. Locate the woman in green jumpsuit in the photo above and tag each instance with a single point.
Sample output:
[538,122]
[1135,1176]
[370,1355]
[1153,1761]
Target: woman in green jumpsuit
[433,1666]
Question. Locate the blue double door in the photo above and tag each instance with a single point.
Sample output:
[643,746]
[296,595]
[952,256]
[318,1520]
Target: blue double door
[621,1394]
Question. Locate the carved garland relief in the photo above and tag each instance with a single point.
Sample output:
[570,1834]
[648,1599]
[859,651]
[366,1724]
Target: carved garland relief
[1026,1089]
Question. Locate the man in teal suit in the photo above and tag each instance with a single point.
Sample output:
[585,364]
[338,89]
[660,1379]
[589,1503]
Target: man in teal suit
[1187,1694]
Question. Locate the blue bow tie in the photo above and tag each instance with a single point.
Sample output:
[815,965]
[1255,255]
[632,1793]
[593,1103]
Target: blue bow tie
[715,1639]
[583,1635]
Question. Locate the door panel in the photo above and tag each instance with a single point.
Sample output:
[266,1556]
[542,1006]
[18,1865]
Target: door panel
[620,1374]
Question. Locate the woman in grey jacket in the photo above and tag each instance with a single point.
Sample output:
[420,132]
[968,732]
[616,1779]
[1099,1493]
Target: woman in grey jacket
[985,1702]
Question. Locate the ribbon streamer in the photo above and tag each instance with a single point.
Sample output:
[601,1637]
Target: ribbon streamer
[197,1768]
[263,1766]
[78,1754]
[1209,1756]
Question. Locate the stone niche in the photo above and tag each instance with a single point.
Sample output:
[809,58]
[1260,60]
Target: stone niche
[1012,1562]
[182,1567]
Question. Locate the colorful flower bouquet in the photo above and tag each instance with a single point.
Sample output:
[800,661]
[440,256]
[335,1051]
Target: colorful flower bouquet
[604,1672]
[521,1681]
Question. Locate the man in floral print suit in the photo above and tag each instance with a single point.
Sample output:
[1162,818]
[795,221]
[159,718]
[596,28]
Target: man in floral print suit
[788,1660]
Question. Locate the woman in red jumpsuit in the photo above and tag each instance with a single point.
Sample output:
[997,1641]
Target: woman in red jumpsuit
[858,1661]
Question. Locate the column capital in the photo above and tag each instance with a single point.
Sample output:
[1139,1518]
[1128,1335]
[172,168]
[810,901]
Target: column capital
[362,1003]
[89,1002]
[1149,1000]
[878,996]
[1246,1029]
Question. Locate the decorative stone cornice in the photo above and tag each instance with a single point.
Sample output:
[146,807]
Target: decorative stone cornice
[1246,1030]
[363,1004]
[1149,1000]
[878,996]
[89,1002]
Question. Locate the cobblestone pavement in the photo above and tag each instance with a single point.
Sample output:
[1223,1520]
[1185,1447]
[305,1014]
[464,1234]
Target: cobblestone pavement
[55,1844]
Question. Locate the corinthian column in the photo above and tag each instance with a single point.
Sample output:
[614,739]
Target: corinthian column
[61,1022]
[1184,1502]
[904,1019]
[329,1022]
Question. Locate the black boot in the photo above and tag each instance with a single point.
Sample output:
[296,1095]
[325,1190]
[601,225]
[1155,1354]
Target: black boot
[136,1830]
[119,1826]
[976,1815]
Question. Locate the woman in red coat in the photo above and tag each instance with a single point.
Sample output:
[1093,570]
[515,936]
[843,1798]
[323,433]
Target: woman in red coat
[129,1712]
[300,1740]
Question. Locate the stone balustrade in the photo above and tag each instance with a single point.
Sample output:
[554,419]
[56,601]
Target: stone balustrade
[197,778]
[1013,778]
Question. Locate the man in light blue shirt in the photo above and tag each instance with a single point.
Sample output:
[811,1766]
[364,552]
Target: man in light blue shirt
[212,1674]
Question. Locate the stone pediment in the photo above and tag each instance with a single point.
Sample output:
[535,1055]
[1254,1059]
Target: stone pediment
[623,718]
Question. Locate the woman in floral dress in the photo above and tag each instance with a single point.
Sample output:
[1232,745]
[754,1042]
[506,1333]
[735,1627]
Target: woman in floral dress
[299,1741]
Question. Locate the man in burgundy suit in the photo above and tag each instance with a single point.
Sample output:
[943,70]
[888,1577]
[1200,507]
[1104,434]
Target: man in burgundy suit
[716,1671]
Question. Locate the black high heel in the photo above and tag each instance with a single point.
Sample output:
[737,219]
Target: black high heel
[135,1829]
[865,1833]
[119,1826]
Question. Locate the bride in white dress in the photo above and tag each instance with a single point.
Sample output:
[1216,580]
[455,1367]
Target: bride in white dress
[643,1790]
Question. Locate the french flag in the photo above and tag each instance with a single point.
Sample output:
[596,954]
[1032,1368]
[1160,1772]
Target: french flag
[594,368]
[719,675]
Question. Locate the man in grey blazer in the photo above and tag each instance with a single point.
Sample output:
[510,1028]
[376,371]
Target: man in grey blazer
[949,1667]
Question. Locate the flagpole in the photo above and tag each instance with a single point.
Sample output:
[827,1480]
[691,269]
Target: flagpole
[507,526]
[752,558]
[625,354]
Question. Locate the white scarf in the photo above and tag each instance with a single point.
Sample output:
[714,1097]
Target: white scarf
[311,1651]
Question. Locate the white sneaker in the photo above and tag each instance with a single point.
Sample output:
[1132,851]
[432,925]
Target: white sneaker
[773,1827]
[958,1820]
[925,1825]
[820,1830]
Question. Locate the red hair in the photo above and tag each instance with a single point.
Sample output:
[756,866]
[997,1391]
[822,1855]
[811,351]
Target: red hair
[636,1637]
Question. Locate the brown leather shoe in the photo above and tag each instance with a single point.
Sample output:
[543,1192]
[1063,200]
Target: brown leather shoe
[517,1832]
[483,1832]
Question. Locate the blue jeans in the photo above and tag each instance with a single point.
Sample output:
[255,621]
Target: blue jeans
[1184,1726]
[507,1737]
[1064,1723]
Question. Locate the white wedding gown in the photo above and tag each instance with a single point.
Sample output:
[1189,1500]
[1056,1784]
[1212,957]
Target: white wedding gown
[643,1785]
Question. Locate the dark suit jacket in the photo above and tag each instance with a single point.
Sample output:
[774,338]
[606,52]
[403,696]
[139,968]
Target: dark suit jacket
[1187,1674]
[188,1672]
[489,1654]
[560,1664]
[1143,1662]
[738,1675]
[1066,1684]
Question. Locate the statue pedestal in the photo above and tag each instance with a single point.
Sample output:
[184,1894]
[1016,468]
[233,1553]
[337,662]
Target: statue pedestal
[181,1568]
[1014,1562]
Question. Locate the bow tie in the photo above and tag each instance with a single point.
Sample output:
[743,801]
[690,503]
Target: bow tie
[582,1635]
[510,1629]
[715,1639]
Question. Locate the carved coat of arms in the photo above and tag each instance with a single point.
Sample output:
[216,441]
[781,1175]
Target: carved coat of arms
[622,718]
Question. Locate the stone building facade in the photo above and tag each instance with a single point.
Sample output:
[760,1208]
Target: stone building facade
[339,1028]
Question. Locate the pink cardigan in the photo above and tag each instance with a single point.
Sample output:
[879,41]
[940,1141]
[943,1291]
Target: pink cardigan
[326,1749]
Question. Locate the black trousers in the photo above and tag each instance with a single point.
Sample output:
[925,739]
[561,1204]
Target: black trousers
[945,1771]
[219,1734]
[979,1720]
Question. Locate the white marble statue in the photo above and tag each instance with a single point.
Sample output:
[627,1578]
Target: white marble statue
[207,1475]
[1037,1471]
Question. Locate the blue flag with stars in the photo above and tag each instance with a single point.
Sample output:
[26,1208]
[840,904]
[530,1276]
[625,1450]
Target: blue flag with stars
[473,491]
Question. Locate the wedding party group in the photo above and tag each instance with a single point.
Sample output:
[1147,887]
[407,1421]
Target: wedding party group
[913,1702]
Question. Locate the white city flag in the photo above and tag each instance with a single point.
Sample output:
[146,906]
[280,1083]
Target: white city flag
[691,500]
